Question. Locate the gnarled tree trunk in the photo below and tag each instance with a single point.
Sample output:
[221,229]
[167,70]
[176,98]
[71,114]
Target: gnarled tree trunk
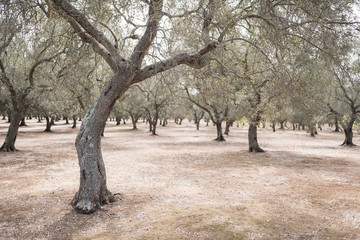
[252,137]
[93,191]
[9,143]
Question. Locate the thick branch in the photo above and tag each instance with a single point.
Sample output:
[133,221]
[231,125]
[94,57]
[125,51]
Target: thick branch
[38,63]
[5,80]
[143,45]
[195,61]
[72,12]
[96,46]
[199,105]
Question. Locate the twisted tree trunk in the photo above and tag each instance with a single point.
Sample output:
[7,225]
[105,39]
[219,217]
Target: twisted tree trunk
[93,191]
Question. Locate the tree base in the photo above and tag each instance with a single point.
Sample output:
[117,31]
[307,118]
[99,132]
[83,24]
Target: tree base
[10,148]
[87,206]
[220,139]
[256,150]
[348,144]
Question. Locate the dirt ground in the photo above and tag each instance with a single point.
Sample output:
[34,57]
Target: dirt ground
[183,185]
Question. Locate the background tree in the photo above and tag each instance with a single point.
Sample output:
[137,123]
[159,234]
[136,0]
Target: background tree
[344,103]
[20,45]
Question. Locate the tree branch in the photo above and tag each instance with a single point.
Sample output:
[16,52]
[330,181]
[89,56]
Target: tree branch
[143,45]
[194,61]
[72,12]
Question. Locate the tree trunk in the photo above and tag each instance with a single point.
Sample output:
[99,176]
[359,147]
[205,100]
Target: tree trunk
[227,127]
[74,122]
[118,121]
[180,121]
[23,124]
[154,128]
[134,120]
[337,129]
[198,125]
[282,125]
[252,137]
[220,136]
[150,126]
[349,133]
[155,121]
[274,127]
[93,191]
[9,143]
[67,120]
[48,124]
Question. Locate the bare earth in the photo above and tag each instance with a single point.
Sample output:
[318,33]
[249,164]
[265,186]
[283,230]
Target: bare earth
[183,185]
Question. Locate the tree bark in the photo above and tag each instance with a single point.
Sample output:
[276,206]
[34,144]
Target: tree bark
[9,143]
[52,122]
[220,136]
[337,129]
[134,121]
[252,137]
[74,122]
[118,120]
[93,191]
[23,124]
[198,124]
[227,127]
[349,133]
[150,126]
[274,127]
[48,124]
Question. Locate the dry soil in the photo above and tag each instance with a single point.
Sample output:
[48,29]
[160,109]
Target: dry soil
[183,185]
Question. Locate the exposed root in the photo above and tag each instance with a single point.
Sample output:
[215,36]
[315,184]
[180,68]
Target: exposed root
[88,206]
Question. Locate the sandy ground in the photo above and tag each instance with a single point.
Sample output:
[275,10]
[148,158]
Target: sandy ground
[183,185]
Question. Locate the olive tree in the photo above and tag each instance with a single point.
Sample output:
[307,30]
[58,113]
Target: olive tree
[126,35]
[21,46]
